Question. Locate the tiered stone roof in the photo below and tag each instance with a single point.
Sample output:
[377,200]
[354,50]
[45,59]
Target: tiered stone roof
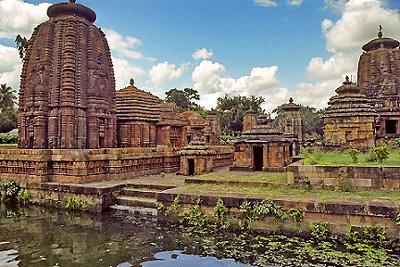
[381,42]
[194,119]
[136,104]
[264,131]
[349,102]
[289,107]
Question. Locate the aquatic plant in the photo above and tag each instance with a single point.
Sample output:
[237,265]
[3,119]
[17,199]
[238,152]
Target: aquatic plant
[195,218]
[24,196]
[76,204]
[295,215]
[175,209]
[219,214]
[10,189]
[319,231]
[397,219]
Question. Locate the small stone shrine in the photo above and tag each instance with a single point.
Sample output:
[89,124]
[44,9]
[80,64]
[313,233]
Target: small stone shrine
[349,119]
[263,148]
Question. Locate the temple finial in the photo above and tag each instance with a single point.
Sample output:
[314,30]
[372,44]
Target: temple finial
[291,100]
[347,79]
[132,82]
[380,34]
[72,1]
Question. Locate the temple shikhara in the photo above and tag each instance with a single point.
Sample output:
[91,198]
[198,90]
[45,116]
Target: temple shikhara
[67,96]
[366,114]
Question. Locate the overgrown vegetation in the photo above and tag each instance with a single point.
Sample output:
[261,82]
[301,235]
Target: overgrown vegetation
[383,155]
[12,192]
[75,203]
[344,181]
[353,153]
[320,231]
[8,138]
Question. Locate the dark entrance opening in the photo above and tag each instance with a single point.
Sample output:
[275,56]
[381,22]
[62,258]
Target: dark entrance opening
[31,141]
[291,150]
[258,158]
[391,126]
[101,141]
[191,166]
[189,139]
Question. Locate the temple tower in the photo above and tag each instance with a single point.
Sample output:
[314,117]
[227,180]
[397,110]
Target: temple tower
[290,120]
[349,119]
[379,80]
[249,120]
[67,94]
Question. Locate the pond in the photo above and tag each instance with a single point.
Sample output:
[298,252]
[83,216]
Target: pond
[41,237]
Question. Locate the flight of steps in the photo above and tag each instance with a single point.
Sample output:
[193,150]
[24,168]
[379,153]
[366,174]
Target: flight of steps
[139,198]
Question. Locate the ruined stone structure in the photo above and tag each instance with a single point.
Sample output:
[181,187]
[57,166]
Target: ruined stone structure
[290,121]
[379,79]
[144,120]
[263,148]
[349,119]
[67,95]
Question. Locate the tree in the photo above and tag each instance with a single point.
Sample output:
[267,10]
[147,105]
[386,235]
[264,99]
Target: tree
[183,98]
[22,44]
[8,119]
[231,110]
[7,97]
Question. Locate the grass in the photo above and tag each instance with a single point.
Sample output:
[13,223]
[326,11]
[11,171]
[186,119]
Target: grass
[321,195]
[271,177]
[8,145]
[342,158]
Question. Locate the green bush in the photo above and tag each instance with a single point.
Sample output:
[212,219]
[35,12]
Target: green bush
[8,138]
[76,204]
[378,154]
[219,213]
[353,153]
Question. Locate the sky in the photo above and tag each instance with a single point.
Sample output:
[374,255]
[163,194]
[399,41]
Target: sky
[272,48]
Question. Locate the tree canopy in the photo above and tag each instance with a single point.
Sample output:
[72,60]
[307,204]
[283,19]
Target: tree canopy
[183,98]
[8,115]
[231,110]
[21,43]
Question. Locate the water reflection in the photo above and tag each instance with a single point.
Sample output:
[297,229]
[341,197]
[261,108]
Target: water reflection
[177,259]
[40,237]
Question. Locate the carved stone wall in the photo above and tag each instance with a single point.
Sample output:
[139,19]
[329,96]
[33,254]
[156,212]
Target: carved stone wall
[67,94]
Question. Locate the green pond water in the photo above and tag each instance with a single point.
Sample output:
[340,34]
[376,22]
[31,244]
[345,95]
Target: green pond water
[42,237]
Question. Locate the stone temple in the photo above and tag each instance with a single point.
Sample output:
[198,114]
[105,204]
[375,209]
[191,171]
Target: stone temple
[67,94]
[74,128]
[349,121]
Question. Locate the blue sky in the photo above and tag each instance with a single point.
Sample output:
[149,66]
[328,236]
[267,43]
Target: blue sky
[242,35]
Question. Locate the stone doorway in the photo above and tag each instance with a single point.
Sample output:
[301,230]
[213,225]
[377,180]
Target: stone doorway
[191,167]
[391,126]
[258,158]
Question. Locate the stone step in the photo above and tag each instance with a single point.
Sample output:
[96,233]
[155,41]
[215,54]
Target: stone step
[136,210]
[159,187]
[139,192]
[137,201]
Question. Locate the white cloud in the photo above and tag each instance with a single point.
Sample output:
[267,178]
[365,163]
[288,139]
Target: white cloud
[18,17]
[336,6]
[125,46]
[294,2]
[266,3]
[165,72]
[202,54]
[210,81]
[124,71]
[357,25]
[10,66]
